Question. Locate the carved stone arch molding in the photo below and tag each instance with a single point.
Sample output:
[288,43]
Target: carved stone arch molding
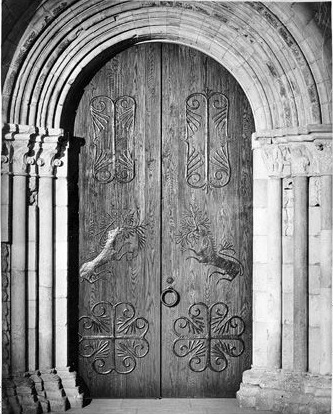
[280,54]
[277,65]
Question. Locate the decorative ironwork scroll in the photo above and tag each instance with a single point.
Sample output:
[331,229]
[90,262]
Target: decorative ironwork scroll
[113,155]
[208,336]
[113,338]
[207,157]
[196,237]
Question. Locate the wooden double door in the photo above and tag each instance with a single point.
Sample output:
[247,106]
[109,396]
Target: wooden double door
[165,245]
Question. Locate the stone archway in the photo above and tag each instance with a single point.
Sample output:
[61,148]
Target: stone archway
[272,70]
[285,73]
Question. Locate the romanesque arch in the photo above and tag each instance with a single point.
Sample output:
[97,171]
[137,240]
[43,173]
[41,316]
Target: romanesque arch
[280,56]
[249,39]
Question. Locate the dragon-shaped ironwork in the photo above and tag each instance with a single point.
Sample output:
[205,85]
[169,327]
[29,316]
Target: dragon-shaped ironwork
[195,236]
[116,235]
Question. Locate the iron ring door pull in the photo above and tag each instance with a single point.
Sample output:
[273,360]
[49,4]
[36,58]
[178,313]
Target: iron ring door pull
[175,300]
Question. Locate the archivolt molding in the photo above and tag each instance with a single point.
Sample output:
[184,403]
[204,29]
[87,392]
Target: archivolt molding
[246,38]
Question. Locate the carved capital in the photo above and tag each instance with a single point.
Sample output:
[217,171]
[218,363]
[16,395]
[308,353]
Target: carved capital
[18,148]
[50,154]
[25,145]
[45,159]
[23,155]
[298,158]
[5,155]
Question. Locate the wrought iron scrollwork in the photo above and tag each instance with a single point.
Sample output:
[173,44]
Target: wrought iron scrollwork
[113,338]
[209,337]
[207,157]
[113,156]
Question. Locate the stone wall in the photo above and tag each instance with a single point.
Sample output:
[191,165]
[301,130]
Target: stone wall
[286,391]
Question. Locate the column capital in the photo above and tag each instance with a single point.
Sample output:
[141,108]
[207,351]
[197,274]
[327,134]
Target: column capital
[5,154]
[26,145]
[300,151]
[50,154]
[17,148]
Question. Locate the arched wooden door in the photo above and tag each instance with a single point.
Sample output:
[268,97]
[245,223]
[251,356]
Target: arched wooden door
[165,300]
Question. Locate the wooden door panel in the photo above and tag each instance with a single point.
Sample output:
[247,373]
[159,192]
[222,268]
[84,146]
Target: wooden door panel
[167,158]
[206,230]
[119,117]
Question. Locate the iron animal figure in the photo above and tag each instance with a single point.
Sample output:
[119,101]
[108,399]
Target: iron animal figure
[196,237]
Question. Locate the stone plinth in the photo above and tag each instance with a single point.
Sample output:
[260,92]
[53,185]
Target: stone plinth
[72,387]
[36,392]
[285,391]
[19,396]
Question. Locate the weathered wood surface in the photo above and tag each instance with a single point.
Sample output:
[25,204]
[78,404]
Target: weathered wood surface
[132,277]
[214,216]
[177,216]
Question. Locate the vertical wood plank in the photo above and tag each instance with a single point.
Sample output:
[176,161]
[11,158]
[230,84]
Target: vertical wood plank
[122,193]
[205,218]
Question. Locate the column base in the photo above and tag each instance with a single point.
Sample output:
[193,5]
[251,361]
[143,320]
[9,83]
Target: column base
[72,386]
[41,392]
[285,391]
[19,396]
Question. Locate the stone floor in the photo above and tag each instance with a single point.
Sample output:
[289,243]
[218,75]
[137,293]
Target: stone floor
[166,406]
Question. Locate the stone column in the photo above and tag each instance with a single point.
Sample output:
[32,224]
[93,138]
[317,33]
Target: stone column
[45,161]
[295,155]
[19,161]
[18,391]
[5,256]
[267,266]
[32,270]
[326,276]
[274,274]
[61,262]
[301,304]
[52,392]
[5,191]
[69,379]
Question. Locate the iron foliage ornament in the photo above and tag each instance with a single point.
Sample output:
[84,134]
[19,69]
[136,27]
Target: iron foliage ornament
[209,337]
[207,156]
[113,155]
[113,338]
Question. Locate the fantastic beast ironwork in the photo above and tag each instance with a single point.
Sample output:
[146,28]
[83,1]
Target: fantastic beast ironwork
[88,269]
[121,235]
[195,236]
